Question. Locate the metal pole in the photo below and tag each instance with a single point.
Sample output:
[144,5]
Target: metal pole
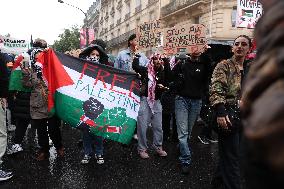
[211,19]
[87,31]
[87,22]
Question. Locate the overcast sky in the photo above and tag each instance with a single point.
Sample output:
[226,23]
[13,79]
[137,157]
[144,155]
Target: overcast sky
[42,18]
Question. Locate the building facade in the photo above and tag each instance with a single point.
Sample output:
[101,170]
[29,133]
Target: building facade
[116,20]
[119,18]
[218,16]
[93,15]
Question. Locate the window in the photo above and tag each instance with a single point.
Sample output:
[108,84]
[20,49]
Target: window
[137,21]
[138,3]
[128,7]
[234,16]
[118,32]
[127,28]
[152,16]
[197,20]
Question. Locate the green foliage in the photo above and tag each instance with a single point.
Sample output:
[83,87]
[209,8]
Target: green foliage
[69,39]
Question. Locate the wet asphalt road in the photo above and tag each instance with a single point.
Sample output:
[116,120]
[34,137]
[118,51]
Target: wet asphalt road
[122,168]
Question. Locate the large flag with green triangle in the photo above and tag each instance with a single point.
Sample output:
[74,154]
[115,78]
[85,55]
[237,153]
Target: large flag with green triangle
[92,96]
[15,82]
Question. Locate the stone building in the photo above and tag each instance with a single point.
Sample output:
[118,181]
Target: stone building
[117,19]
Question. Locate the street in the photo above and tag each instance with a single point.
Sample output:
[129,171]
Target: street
[122,168]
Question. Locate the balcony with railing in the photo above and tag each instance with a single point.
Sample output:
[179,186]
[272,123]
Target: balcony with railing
[120,39]
[118,21]
[112,11]
[101,33]
[119,5]
[151,2]
[178,4]
[104,2]
[127,16]
[101,20]
[106,16]
[138,8]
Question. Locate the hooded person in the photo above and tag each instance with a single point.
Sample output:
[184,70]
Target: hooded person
[40,118]
[94,53]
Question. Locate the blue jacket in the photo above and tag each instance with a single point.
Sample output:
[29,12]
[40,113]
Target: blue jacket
[124,60]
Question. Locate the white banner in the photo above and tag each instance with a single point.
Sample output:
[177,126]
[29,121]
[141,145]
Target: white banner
[13,45]
[248,12]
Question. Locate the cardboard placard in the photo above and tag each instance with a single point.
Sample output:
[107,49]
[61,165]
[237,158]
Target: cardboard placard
[149,34]
[189,38]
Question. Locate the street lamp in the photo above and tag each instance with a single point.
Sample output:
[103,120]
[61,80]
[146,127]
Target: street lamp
[87,23]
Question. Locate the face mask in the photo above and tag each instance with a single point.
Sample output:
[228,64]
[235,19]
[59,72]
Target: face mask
[94,59]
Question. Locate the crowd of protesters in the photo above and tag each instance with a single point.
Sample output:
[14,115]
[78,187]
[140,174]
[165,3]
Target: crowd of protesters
[176,91]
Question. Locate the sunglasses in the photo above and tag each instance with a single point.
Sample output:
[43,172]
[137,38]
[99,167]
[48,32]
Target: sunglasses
[243,44]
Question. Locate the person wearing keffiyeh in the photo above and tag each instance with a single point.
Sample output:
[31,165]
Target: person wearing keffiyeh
[150,112]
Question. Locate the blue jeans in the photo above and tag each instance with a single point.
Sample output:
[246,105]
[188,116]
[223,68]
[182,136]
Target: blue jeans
[187,111]
[88,140]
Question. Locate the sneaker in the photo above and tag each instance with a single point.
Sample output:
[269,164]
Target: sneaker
[100,159]
[161,152]
[135,137]
[203,140]
[15,148]
[11,128]
[86,159]
[5,175]
[185,168]
[50,142]
[143,154]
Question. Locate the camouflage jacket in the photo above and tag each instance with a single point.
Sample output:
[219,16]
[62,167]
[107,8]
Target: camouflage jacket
[225,83]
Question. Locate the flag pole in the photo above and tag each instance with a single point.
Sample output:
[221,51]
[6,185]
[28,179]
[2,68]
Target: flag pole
[31,41]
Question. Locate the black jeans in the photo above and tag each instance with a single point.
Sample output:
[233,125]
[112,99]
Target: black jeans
[228,172]
[166,124]
[54,132]
[21,128]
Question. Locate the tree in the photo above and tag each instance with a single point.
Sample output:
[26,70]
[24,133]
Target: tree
[69,39]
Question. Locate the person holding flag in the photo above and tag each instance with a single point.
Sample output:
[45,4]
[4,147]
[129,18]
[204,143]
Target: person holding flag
[33,78]
[92,108]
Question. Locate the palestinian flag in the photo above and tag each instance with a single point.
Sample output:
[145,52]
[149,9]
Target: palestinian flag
[92,96]
[247,13]
[15,82]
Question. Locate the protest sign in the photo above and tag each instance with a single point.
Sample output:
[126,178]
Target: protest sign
[13,45]
[189,38]
[248,12]
[149,34]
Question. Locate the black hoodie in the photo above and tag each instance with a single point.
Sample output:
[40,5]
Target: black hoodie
[4,76]
[191,78]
